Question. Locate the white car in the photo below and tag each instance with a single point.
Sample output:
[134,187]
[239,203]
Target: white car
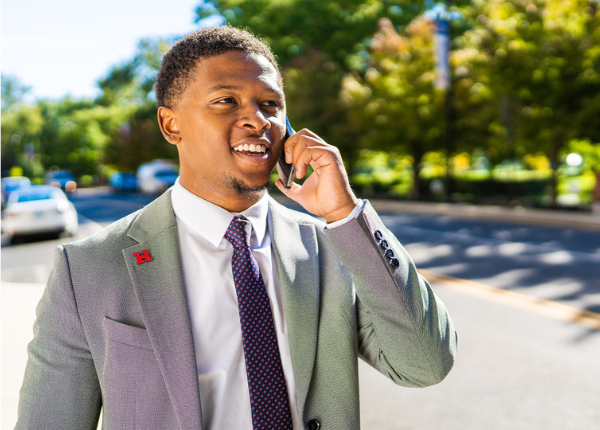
[39,209]
[156,177]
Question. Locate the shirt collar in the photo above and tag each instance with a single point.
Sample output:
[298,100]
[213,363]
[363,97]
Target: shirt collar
[211,221]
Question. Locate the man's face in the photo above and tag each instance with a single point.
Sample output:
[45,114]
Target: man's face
[231,121]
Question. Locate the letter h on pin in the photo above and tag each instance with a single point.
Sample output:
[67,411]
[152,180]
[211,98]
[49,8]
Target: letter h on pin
[142,256]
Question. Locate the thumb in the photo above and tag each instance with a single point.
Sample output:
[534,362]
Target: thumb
[292,192]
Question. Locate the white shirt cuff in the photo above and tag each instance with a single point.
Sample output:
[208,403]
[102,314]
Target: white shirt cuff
[359,207]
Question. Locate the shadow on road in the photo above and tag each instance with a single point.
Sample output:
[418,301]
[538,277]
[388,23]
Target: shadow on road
[555,264]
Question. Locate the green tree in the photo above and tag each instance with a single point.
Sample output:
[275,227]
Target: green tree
[131,82]
[395,107]
[13,92]
[295,27]
[478,111]
[21,127]
[75,133]
[590,153]
[543,59]
[129,87]
[318,43]
[21,124]
[89,137]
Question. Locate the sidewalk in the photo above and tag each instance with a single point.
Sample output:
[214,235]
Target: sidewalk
[18,314]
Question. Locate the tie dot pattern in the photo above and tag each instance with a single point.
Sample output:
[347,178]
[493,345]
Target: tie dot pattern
[269,401]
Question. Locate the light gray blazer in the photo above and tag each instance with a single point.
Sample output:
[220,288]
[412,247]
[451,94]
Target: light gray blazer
[114,334]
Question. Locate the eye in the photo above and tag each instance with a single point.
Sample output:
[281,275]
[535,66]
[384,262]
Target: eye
[271,103]
[226,100]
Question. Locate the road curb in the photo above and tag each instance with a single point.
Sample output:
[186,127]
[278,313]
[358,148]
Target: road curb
[551,218]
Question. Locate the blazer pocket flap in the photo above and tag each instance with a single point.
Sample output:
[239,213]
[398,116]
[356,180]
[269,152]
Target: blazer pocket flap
[126,334]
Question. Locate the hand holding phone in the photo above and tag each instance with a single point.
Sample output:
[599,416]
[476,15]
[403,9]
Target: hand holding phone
[326,192]
[286,170]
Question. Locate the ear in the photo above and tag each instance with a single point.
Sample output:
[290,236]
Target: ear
[167,120]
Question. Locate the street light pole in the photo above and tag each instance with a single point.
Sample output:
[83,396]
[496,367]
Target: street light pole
[439,13]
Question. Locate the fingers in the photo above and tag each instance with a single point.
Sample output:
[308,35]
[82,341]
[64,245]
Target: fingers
[305,147]
[291,192]
[326,192]
[298,139]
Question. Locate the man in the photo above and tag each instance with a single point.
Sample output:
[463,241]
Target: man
[149,319]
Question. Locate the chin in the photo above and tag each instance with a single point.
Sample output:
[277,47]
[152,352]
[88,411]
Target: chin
[242,187]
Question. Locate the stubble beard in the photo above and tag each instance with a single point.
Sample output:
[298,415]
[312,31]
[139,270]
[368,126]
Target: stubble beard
[241,188]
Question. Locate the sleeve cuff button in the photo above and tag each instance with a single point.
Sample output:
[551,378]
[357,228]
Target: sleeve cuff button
[313,425]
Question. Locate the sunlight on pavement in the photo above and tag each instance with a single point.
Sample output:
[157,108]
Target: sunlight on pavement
[511,298]
[18,314]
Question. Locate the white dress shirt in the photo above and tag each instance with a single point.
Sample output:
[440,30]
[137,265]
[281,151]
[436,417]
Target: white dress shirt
[206,259]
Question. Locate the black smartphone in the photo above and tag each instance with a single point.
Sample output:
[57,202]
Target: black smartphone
[286,171]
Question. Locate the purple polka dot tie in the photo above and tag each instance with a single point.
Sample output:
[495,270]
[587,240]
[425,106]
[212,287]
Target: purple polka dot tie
[268,393]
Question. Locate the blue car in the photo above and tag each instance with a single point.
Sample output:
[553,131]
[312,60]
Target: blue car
[123,182]
[62,179]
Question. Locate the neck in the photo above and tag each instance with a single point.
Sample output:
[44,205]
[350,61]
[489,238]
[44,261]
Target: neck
[242,202]
[234,202]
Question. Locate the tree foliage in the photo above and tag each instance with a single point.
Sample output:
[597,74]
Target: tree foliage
[118,130]
[395,107]
[318,43]
[13,92]
[590,153]
[543,58]
[129,86]
[525,80]
[295,27]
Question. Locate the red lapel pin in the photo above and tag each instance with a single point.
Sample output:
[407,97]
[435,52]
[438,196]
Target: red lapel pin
[142,256]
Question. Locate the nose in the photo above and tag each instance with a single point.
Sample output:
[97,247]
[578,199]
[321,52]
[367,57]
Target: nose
[253,117]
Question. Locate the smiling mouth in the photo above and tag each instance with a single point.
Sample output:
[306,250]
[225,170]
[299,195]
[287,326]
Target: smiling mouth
[251,149]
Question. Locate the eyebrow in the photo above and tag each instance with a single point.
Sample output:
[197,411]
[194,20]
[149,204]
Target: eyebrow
[224,87]
[219,87]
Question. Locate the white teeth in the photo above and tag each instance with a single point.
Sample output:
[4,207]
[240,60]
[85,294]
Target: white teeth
[251,148]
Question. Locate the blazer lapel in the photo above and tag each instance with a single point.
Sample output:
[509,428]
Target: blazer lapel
[295,248]
[154,266]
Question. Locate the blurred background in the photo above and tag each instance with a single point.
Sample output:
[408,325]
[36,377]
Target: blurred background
[491,102]
[472,125]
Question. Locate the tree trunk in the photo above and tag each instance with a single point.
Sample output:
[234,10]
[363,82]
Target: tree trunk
[596,190]
[554,178]
[414,192]
[553,188]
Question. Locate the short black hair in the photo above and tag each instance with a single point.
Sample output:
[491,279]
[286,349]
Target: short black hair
[178,65]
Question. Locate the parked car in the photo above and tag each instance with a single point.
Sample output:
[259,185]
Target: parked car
[123,182]
[62,179]
[156,177]
[12,183]
[39,209]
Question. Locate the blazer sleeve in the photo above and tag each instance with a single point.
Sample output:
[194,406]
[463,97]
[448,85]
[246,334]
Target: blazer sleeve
[60,388]
[404,329]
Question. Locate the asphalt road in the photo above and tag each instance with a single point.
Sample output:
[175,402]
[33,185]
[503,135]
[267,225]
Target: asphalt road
[525,300]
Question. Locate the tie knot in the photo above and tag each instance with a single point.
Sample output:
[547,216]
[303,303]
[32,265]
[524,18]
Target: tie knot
[238,232]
